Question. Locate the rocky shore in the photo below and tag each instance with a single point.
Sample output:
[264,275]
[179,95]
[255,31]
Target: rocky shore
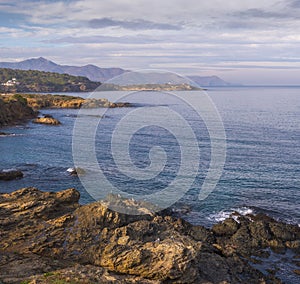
[48,237]
[37,101]
[15,108]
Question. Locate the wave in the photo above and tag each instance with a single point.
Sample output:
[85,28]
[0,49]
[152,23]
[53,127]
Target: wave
[8,170]
[10,134]
[231,213]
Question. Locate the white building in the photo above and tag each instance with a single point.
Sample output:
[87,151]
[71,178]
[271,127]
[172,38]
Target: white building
[11,82]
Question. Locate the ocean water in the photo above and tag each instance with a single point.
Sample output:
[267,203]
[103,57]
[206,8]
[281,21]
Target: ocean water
[262,167]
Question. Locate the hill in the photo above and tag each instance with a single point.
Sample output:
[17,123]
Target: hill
[95,73]
[14,80]
[209,81]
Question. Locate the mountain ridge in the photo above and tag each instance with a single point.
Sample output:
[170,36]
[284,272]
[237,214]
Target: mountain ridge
[95,73]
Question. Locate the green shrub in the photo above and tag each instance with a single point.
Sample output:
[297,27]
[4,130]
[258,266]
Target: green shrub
[19,98]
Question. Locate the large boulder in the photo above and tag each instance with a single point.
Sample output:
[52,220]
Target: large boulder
[47,119]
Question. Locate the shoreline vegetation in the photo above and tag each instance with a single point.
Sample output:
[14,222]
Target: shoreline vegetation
[48,237]
[14,80]
[22,81]
[19,108]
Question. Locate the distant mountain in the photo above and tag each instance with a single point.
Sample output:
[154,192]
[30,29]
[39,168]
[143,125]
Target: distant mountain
[95,73]
[209,81]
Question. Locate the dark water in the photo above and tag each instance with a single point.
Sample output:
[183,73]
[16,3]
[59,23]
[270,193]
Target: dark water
[261,173]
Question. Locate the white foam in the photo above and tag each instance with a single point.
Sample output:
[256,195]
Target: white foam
[224,214]
[8,170]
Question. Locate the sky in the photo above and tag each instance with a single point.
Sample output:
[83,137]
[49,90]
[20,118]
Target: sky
[254,42]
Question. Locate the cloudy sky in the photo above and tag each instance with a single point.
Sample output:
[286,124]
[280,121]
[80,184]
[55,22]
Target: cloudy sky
[249,41]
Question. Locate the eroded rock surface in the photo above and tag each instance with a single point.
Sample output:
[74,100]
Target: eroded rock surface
[47,236]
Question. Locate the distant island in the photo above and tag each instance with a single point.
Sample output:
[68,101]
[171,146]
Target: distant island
[12,80]
[148,87]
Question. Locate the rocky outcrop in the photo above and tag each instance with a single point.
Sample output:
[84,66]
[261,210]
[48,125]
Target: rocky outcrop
[76,171]
[47,119]
[96,103]
[37,101]
[14,111]
[47,236]
[10,174]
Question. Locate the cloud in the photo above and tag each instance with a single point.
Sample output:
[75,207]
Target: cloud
[138,24]
[260,13]
[294,3]
[103,39]
[172,34]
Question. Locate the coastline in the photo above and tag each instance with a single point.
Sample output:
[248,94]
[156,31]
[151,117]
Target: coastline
[19,108]
[277,246]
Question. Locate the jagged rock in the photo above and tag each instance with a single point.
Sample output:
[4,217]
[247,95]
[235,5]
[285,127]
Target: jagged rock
[10,175]
[76,171]
[47,232]
[49,120]
[228,227]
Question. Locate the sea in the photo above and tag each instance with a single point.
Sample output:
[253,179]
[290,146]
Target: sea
[261,170]
[141,150]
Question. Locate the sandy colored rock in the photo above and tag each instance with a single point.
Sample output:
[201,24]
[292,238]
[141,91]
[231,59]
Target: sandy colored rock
[46,120]
[48,236]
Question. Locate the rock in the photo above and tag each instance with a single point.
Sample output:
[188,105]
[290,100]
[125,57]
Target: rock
[297,271]
[96,103]
[14,111]
[48,237]
[87,274]
[10,174]
[49,120]
[4,134]
[293,244]
[76,171]
[227,227]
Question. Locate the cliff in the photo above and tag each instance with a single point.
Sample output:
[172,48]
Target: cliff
[48,237]
[14,110]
